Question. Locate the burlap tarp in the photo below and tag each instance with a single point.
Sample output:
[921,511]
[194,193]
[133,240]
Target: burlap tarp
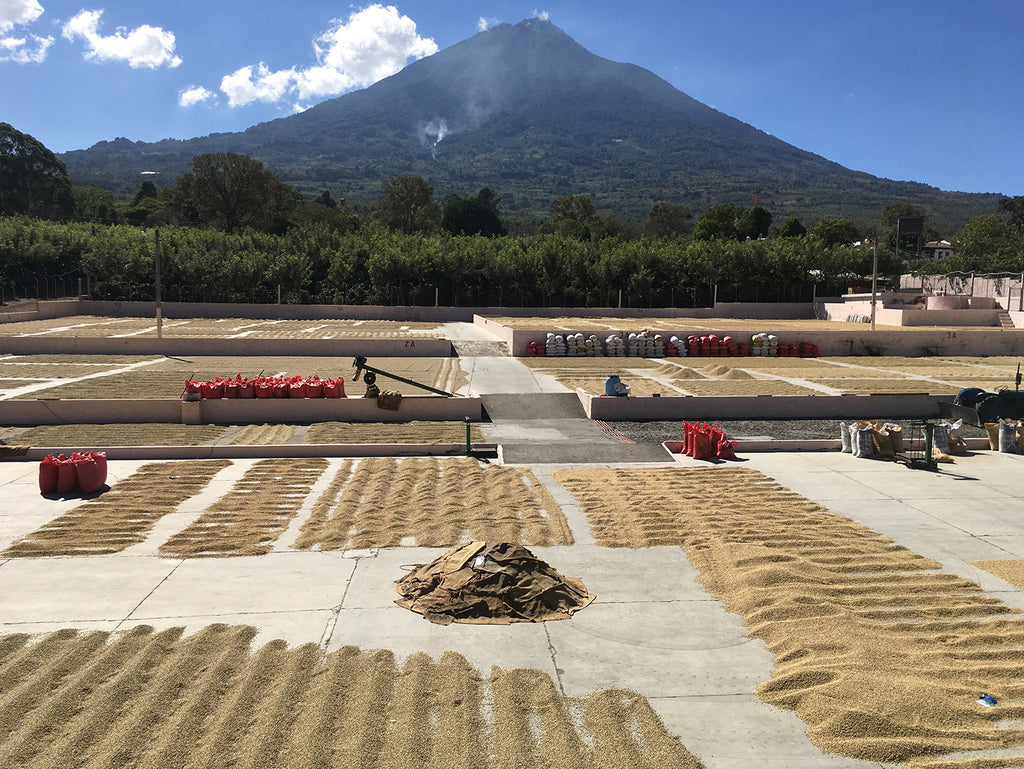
[494,584]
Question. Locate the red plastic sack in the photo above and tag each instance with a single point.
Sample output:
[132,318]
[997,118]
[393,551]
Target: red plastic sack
[314,388]
[211,390]
[90,476]
[726,448]
[297,390]
[246,389]
[67,479]
[48,475]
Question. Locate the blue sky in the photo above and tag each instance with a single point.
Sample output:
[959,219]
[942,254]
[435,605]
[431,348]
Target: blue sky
[903,89]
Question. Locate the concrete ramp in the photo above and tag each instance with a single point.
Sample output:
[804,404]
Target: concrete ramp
[520,407]
[552,428]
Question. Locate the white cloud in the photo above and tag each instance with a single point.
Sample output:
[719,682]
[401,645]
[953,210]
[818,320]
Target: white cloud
[484,23]
[143,46]
[542,15]
[244,85]
[29,49]
[14,12]
[194,95]
[22,51]
[372,44]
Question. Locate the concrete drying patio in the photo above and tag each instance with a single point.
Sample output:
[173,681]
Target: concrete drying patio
[653,628]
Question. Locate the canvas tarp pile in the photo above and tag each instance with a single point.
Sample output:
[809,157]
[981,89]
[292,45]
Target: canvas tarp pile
[495,584]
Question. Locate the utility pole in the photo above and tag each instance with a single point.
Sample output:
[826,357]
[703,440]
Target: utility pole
[874,282]
[156,262]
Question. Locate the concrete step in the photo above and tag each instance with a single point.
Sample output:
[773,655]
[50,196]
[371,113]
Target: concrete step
[1005,321]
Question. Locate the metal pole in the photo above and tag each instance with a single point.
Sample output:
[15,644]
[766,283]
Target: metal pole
[156,261]
[1020,301]
[874,283]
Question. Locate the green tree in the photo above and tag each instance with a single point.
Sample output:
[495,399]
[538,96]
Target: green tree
[836,232]
[229,191]
[33,181]
[718,223]
[753,223]
[987,242]
[93,204]
[473,215]
[325,199]
[667,219]
[573,216]
[1013,209]
[408,205]
[792,228]
[146,190]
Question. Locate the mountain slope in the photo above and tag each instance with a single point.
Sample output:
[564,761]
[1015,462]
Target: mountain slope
[527,111]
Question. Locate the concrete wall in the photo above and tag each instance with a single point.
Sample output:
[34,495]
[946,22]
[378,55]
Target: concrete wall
[763,407]
[944,314]
[1005,291]
[63,308]
[137,345]
[236,412]
[906,342]
[106,411]
[286,410]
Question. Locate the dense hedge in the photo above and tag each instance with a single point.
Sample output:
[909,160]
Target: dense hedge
[319,264]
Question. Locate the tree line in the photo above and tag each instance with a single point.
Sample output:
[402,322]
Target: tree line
[371,264]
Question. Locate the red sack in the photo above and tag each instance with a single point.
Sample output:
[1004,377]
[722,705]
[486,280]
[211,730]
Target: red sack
[280,389]
[297,390]
[726,448]
[48,475]
[67,479]
[330,389]
[264,390]
[89,476]
[211,389]
[100,457]
[191,386]
[246,389]
[231,389]
[314,388]
[702,448]
[340,382]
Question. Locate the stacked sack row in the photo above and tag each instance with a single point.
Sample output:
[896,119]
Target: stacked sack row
[867,439]
[268,387]
[798,350]
[615,346]
[884,440]
[645,345]
[84,470]
[707,442]
[765,345]
[1006,435]
[712,346]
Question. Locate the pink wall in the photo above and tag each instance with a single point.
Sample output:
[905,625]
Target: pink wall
[764,407]
[236,412]
[345,349]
